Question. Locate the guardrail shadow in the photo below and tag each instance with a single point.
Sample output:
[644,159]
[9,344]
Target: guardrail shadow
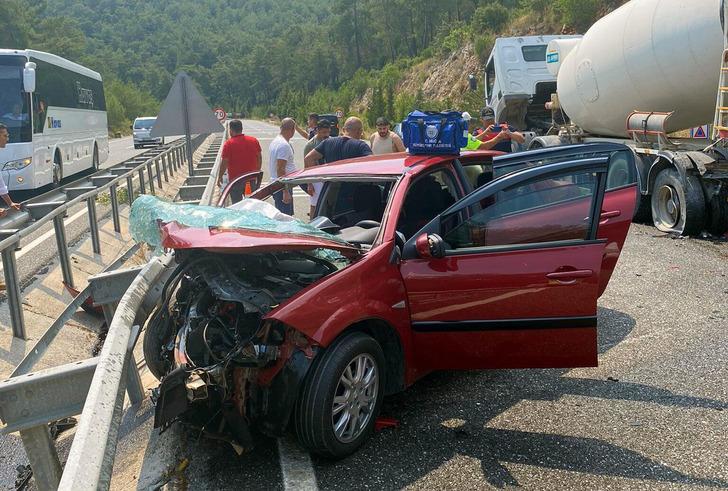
[463,404]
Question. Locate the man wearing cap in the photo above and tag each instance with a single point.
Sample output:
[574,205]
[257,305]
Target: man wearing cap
[496,136]
[323,131]
[473,143]
[385,141]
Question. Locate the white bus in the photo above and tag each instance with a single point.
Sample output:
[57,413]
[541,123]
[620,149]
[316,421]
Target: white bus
[55,112]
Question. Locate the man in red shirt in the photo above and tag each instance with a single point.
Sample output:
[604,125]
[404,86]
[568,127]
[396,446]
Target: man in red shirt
[240,154]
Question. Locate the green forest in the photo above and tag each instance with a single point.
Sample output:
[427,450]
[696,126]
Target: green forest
[285,57]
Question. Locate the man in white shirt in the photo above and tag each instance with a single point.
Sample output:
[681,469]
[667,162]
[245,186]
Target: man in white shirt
[281,163]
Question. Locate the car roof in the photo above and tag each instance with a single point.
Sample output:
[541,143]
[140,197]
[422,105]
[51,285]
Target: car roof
[142,118]
[391,164]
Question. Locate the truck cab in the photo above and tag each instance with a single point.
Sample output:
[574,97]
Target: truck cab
[517,82]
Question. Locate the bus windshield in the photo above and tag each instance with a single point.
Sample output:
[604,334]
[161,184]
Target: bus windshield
[14,104]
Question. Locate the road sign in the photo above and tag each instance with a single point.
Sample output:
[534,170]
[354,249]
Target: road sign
[339,113]
[220,114]
[699,131]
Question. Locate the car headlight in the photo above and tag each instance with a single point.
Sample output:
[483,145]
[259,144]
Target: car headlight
[18,164]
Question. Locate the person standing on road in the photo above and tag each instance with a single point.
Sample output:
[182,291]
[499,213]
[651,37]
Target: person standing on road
[281,163]
[348,146]
[384,140]
[241,154]
[322,133]
[4,137]
[496,136]
[310,131]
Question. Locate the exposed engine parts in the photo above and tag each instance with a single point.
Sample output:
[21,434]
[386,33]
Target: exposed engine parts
[210,346]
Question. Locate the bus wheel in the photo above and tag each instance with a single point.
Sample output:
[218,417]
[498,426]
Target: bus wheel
[678,208]
[57,170]
[95,161]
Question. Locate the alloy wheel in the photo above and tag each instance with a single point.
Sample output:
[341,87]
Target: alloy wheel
[355,398]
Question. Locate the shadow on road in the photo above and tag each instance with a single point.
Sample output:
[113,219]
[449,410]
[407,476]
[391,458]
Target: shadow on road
[423,443]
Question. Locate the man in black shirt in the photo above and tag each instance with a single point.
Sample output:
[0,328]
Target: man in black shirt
[338,148]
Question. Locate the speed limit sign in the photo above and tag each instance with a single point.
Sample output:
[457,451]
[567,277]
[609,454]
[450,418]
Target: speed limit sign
[220,114]
[339,113]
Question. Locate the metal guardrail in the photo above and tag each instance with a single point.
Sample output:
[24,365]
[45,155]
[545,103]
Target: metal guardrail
[209,194]
[94,387]
[164,164]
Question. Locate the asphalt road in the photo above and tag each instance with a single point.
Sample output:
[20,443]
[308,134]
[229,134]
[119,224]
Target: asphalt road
[653,415]
[121,149]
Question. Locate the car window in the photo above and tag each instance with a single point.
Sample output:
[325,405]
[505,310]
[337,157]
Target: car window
[347,203]
[552,208]
[426,198]
[478,173]
[622,171]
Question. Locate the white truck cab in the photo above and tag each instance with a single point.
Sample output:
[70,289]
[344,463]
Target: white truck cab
[517,82]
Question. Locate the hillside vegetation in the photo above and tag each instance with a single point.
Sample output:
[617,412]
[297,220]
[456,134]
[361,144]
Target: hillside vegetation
[286,57]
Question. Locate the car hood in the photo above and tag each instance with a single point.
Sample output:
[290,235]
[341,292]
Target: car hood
[218,239]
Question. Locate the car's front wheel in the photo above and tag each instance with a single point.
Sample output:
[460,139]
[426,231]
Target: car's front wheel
[341,397]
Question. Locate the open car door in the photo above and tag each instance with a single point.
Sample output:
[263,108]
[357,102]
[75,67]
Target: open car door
[509,276]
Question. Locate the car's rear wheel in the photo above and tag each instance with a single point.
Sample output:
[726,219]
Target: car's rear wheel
[678,208]
[341,397]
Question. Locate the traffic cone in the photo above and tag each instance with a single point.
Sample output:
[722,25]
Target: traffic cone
[248,191]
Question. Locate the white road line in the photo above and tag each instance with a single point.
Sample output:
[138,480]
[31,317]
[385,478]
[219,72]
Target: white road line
[47,235]
[296,467]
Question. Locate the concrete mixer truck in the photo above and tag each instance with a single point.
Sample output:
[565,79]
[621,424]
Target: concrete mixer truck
[639,76]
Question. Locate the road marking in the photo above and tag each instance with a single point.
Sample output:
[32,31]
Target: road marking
[296,467]
[47,235]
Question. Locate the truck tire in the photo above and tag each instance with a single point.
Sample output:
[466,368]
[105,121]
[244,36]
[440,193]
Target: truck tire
[718,223]
[678,208]
[348,375]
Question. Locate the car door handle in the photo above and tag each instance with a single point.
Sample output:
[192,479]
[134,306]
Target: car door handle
[606,215]
[569,277]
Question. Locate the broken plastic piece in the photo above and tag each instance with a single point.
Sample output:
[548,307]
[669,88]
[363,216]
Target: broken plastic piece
[382,423]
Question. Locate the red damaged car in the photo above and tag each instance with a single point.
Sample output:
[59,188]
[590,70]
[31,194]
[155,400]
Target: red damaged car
[423,263]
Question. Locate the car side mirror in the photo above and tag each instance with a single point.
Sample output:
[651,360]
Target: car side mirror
[430,246]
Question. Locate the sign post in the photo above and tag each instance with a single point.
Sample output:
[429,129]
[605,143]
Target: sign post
[188,137]
[185,112]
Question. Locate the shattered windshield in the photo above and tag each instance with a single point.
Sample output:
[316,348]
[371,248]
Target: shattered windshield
[250,214]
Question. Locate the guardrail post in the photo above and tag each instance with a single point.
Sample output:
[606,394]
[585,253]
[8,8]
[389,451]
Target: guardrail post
[130,188]
[93,224]
[169,163]
[63,258]
[115,208]
[142,185]
[12,286]
[151,178]
[159,174]
[43,457]
[164,167]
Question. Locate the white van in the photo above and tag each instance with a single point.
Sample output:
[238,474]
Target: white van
[142,128]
